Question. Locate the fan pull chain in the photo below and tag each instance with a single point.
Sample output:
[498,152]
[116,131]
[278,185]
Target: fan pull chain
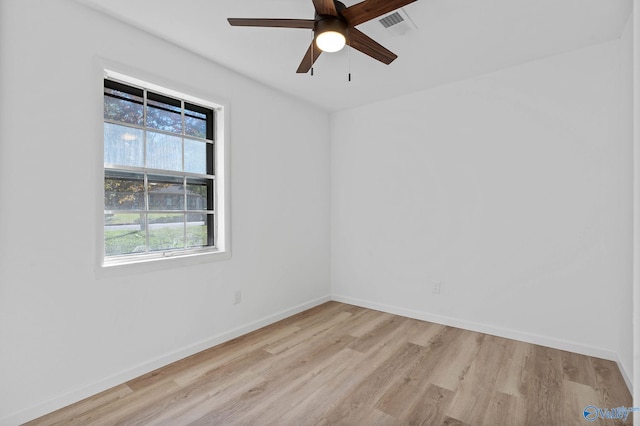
[349,54]
[312,49]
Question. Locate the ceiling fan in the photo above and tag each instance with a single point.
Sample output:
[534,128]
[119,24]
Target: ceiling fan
[334,26]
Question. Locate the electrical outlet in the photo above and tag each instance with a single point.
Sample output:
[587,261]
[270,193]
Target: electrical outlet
[437,285]
[237,297]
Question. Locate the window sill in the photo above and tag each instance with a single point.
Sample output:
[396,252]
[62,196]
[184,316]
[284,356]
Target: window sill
[144,264]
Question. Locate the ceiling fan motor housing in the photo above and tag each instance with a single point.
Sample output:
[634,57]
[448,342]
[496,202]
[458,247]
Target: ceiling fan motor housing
[330,23]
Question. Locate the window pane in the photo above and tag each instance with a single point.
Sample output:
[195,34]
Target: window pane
[166,193]
[124,192]
[164,151]
[164,114]
[166,231]
[196,230]
[195,124]
[123,145]
[124,233]
[195,156]
[196,194]
[158,176]
[122,106]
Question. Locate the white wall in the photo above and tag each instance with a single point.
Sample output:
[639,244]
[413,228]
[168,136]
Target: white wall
[513,189]
[625,348]
[67,332]
[636,217]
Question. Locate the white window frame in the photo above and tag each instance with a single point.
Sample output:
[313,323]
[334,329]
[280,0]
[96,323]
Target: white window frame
[221,248]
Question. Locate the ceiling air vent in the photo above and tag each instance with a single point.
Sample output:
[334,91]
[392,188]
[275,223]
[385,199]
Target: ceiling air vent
[390,20]
[398,23]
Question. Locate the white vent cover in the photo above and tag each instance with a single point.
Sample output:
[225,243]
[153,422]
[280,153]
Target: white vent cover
[390,20]
[398,22]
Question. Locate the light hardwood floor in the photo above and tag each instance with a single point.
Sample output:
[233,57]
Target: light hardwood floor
[341,364]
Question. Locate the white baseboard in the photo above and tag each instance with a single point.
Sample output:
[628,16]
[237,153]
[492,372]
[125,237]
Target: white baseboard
[628,379]
[83,392]
[536,339]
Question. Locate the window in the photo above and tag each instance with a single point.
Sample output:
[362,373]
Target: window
[160,189]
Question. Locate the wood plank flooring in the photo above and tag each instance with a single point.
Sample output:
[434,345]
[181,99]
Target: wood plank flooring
[338,364]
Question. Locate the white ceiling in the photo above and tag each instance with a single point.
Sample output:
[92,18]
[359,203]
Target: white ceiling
[454,39]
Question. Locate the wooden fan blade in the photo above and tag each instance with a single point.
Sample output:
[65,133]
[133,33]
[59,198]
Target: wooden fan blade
[370,9]
[325,7]
[309,58]
[365,44]
[281,23]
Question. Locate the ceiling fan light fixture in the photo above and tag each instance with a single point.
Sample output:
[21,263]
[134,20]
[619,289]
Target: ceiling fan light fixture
[330,41]
[331,34]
